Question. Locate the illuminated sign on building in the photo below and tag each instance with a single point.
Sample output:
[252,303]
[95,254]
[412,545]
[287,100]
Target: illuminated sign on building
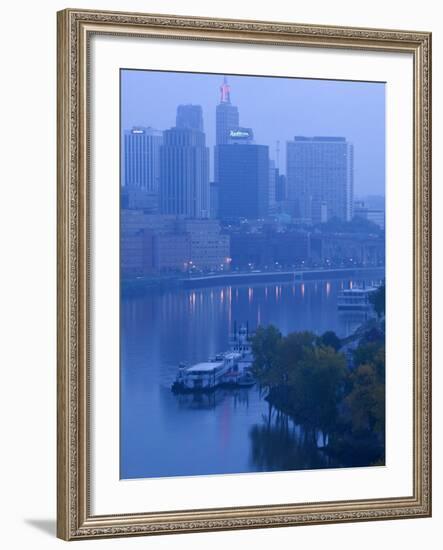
[240,133]
[136,131]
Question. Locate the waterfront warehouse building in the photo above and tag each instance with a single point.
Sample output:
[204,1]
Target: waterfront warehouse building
[134,221]
[243,181]
[349,249]
[141,159]
[170,252]
[268,249]
[158,243]
[209,247]
[136,243]
[320,178]
[184,173]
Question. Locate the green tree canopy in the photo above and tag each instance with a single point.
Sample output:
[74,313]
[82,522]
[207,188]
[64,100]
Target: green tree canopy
[378,300]
[330,339]
[305,377]
[265,347]
[308,380]
[366,401]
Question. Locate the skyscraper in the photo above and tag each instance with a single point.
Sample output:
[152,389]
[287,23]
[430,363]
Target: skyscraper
[190,116]
[243,181]
[184,179]
[280,186]
[272,188]
[141,159]
[226,119]
[227,116]
[320,178]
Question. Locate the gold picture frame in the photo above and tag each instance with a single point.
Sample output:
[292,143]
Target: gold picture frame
[75,28]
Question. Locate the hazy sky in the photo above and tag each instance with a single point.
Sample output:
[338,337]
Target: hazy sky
[275,108]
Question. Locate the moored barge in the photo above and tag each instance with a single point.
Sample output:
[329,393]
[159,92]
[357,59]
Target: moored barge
[229,369]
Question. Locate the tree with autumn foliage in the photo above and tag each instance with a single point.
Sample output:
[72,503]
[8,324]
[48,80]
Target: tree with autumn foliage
[303,377]
[307,379]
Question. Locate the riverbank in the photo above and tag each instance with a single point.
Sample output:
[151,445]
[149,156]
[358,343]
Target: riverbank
[249,277]
[309,380]
[224,431]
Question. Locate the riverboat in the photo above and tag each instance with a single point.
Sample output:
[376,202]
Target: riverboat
[356,298]
[229,369]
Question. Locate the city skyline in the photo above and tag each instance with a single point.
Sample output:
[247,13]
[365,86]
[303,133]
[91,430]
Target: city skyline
[341,101]
[252,301]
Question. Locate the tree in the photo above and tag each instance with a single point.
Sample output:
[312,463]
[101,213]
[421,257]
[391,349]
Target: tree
[308,380]
[265,346]
[366,401]
[317,383]
[304,377]
[378,299]
[330,339]
[371,353]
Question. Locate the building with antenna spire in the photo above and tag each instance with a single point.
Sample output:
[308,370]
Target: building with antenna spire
[226,119]
[243,179]
[226,115]
[225,92]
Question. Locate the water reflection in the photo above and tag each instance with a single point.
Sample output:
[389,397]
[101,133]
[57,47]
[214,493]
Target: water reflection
[211,400]
[281,447]
[226,432]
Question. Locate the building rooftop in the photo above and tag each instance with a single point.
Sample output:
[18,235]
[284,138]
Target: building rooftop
[144,130]
[319,138]
[207,366]
[232,355]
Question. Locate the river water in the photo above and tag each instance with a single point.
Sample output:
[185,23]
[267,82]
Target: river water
[163,434]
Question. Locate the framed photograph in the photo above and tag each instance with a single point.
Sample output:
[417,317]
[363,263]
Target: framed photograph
[243,274]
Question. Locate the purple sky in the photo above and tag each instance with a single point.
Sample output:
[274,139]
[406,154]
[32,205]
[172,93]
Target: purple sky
[275,108]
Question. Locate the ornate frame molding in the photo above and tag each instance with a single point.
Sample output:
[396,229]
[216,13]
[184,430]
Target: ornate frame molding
[75,28]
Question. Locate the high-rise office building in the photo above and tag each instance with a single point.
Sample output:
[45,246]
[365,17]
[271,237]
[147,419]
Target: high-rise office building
[272,188]
[141,159]
[184,173]
[243,178]
[280,186]
[320,178]
[227,116]
[226,119]
[190,116]
[213,199]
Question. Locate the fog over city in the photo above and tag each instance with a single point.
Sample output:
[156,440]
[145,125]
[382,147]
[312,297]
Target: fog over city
[252,268]
[276,109]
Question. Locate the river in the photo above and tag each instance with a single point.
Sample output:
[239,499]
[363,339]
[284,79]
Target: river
[163,434]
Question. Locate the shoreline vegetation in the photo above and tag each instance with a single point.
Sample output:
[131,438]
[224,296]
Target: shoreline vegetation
[332,389]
